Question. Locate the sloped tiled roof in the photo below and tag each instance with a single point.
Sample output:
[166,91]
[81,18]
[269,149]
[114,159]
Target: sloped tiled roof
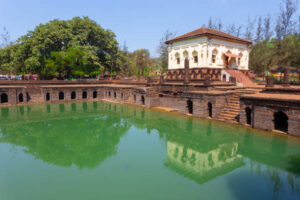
[208,32]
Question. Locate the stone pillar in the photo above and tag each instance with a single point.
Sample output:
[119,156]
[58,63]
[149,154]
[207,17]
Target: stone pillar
[186,71]
[286,78]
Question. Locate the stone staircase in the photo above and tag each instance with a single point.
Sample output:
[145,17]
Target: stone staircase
[231,111]
[241,78]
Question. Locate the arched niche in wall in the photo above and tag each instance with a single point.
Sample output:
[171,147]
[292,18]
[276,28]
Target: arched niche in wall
[177,57]
[214,55]
[185,54]
[195,56]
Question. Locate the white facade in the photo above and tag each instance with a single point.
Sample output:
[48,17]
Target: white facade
[210,53]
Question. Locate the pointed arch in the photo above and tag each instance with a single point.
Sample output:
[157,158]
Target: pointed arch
[209,107]
[95,94]
[214,55]
[248,115]
[185,54]
[61,95]
[21,99]
[177,57]
[84,94]
[4,98]
[73,95]
[190,106]
[47,96]
[143,100]
[195,56]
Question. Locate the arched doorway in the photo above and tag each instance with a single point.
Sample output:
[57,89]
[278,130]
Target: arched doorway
[190,106]
[232,63]
[224,78]
[84,94]
[4,98]
[47,96]
[109,94]
[27,97]
[95,94]
[61,96]
[73,95]
[21,99]
[115,95]
[209,106]
[281,121]
[248,115]
[134,98]
[143,100]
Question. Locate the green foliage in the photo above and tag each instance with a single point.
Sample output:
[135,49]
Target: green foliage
[163,51]
[63,48]
[283,53]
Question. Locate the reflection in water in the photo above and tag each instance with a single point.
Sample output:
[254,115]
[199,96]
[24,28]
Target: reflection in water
[203,166]
[82,140]
[86,134]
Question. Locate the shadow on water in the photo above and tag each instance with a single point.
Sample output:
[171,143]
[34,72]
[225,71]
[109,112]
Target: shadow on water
[85,134]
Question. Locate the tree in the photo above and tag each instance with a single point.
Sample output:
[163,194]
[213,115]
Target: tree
[210,23]
[259,30]
[238,31]
[299,26]
[279,29]
[249,28]
[220,25]
[288,9]
[5,38]
[141,60]
[231,29]
[261,56]
[267,28]
[163,50]
[98,46]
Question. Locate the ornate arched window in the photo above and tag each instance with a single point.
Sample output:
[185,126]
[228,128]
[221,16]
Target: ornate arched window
[177,56]
[214,56]
[195,56]
[185,54]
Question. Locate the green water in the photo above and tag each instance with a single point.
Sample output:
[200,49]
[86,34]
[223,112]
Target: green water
[99,150]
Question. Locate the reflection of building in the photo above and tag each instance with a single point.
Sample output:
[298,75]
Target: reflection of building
[203,166]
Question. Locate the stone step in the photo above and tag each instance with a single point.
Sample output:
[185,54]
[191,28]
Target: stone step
[231,112]
[230,116]
[234,104]
[232,107]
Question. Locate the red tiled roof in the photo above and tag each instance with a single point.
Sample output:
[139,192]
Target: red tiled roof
[208,32]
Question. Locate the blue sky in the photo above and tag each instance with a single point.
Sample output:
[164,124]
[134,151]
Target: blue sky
[140,23]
